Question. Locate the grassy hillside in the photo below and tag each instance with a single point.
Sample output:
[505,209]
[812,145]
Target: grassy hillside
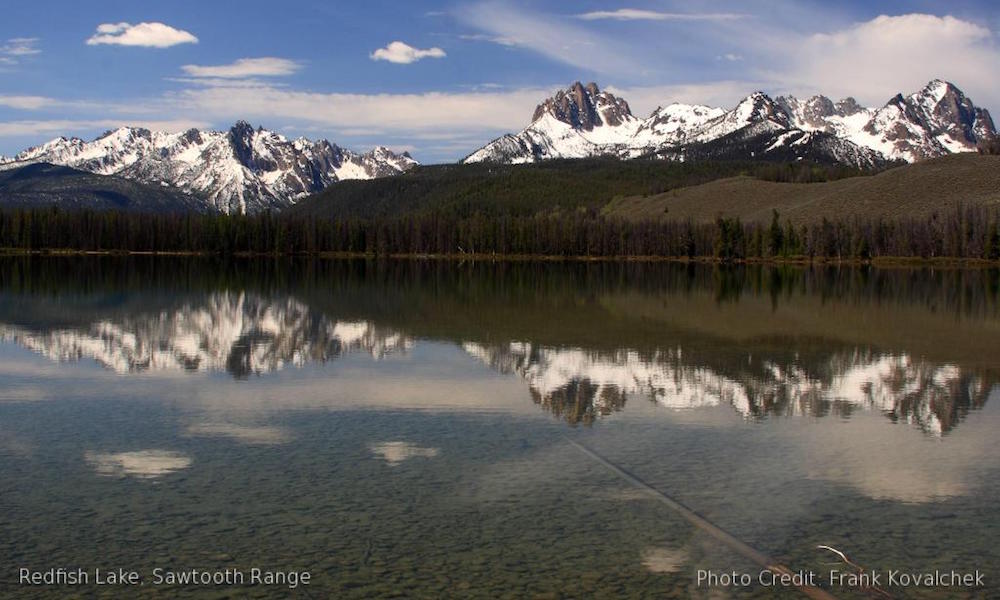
[525,190]
[913,191]
[43,185]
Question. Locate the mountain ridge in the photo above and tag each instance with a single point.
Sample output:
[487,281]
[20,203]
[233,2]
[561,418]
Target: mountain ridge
[937,120]
[240,170]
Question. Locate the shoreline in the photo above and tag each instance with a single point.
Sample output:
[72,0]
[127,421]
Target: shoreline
[882,261]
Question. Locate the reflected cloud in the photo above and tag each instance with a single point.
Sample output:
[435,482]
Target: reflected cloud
[887,464]
[259,436]
[143,464]
[581,386]
[239,333]
[394,453]
[664,560]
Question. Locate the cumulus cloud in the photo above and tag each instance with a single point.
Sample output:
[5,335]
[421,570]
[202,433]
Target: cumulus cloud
[634,14]
[404,54]
[876,59]
[245,67]
[149,35]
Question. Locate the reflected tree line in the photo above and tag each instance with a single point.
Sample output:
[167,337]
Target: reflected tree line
[970,292]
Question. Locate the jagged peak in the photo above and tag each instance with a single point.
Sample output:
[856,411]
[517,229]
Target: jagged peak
[126,131]
[849,106]
[940,86]
[758,106]
[242,128]
[584,107]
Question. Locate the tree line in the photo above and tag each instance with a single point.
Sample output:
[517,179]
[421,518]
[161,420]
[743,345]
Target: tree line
[969,232]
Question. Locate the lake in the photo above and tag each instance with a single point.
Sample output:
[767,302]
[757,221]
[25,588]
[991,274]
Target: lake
[266,428]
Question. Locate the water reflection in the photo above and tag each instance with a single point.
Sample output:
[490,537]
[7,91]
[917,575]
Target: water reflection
[143,464]
[581,386]
[395,453]
[239,333]
[916,346]
[253,435]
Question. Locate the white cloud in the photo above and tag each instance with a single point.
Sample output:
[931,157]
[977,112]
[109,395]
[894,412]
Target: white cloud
[634,14]
[731,57]
[150,35]
[14,49]
[24,46]
[427,112]
[553,37]
[29,128]
[404,54]
[496,39]
[245,67]
[26,102]
[877,59]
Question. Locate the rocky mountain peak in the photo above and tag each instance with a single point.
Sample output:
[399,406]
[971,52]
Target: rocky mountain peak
[848,106]
[938,119]
[585,107]
[820,106]
[759,107]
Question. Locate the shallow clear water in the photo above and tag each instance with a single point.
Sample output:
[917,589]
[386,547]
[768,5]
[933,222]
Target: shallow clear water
[409,429]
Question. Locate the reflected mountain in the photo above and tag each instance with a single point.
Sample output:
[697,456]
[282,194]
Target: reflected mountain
[916,345]
[580,386]
[239,333]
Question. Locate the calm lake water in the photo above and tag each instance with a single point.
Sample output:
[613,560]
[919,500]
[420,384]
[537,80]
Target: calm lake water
[424,429]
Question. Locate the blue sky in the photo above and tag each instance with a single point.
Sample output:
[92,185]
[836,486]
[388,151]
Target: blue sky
[441,78]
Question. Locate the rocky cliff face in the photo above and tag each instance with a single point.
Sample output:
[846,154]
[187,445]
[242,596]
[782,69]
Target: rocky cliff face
[585,107]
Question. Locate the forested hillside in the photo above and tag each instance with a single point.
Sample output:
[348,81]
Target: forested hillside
[522,190]
[42,185]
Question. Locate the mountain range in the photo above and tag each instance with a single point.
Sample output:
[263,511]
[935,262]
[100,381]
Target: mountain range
[585,121]
[242,170]
[245,170]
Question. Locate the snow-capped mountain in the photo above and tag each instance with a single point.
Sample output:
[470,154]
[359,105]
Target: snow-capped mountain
[242,170]
[579,122]
[581,385]
[585,122]
[243,334]
[937,120]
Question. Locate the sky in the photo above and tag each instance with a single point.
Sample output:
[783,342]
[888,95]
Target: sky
[440,79]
